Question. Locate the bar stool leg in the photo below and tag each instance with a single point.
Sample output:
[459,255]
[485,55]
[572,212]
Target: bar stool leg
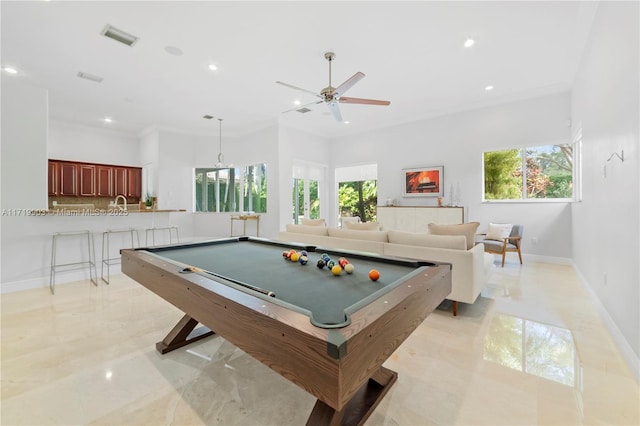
[52,273]
[93,273]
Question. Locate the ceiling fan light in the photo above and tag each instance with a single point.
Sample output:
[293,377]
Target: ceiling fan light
[469,42]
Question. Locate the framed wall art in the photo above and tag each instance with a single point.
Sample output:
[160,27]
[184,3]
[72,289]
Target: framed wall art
[423,182]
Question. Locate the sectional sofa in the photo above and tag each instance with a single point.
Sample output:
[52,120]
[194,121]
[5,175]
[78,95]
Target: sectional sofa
[471,266]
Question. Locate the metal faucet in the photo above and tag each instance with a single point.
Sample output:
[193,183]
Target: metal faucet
[125,202]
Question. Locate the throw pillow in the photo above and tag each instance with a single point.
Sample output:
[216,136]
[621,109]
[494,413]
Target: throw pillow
[313,222]
[467,229]
[363,226]
[498,231]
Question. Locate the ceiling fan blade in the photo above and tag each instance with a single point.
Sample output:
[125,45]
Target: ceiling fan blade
[298,88]
[303,106]
[347,84]
[363,101]
[335,110]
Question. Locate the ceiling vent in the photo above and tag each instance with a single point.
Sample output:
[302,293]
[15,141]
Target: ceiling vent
[119,35]
[303,110]
[207,117]
[90,77]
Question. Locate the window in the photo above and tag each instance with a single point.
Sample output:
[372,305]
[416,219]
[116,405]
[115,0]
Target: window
[358,192]
[255,188]
[231,190]
[541,173]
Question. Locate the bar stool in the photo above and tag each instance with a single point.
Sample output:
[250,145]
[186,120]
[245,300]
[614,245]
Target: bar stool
[91,263]
[160,228]
[106,260]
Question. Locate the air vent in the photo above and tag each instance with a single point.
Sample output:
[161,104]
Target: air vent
[303,110]
[119,35]
[90,77]
[207,117]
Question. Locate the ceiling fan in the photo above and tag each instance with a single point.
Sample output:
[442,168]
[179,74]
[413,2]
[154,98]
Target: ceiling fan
[332,96]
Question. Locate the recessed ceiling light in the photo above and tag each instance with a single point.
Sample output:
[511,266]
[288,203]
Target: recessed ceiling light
[296,102]
[108,120]
[213,67]
[469,42]
[10,70]
[488,88]
[346,122]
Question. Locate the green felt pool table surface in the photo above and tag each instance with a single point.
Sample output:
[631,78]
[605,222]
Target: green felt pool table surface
[327,299]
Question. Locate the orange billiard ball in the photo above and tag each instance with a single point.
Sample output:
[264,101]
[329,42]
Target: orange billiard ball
[374,275]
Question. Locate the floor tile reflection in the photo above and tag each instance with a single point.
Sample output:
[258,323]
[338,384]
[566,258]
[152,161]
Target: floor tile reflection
[531,350]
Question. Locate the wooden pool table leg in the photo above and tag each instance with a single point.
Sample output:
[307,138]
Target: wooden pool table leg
[183,334]
[360,406]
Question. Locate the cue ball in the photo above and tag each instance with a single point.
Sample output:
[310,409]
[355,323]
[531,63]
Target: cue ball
[349,268]
[374,275]
[336,270]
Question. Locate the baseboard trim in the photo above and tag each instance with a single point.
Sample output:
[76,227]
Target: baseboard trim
[630,357]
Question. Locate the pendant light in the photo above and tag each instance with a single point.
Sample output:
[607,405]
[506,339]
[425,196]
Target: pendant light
[221,164]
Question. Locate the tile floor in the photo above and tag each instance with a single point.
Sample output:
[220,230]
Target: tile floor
[531,350]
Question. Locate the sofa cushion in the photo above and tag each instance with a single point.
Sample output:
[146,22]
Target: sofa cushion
[313,222]
[306,229]
[466,229]
[380,236]
[456,242]
[362,226]
[498,231]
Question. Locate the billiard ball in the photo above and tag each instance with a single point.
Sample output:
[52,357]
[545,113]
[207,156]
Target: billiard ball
[324,255]
[349,268]
[331,264]
[285,255]
[320,264]
[374,275]
[303,260]
[304,253]
[343,262]
[295,257]
[336,270]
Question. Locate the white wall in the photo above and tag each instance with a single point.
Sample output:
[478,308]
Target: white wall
[605,102]
[24,142]
[297,145]
[75,142]
[457,142]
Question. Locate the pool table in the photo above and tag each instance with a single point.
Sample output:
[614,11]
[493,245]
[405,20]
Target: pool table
[327,334]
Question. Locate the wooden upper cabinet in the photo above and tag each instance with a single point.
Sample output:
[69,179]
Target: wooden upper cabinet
[54,178]
[68,179]
[120,181]
[134,182]
[87,180]
[104,181]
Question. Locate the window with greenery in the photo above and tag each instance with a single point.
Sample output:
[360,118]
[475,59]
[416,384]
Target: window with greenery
[255,188]
[232,189]
[542,172]
[359,198]
[303,188]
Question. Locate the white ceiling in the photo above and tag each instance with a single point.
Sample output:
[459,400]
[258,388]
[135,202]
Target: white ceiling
[411,52]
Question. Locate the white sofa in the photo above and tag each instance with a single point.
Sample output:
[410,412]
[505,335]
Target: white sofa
[471,267]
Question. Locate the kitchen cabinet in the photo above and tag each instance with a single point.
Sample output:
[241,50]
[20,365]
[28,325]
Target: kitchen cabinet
[86,180]
[68,179]
[134,182]
[120,181]
[104,181]
[53,178]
